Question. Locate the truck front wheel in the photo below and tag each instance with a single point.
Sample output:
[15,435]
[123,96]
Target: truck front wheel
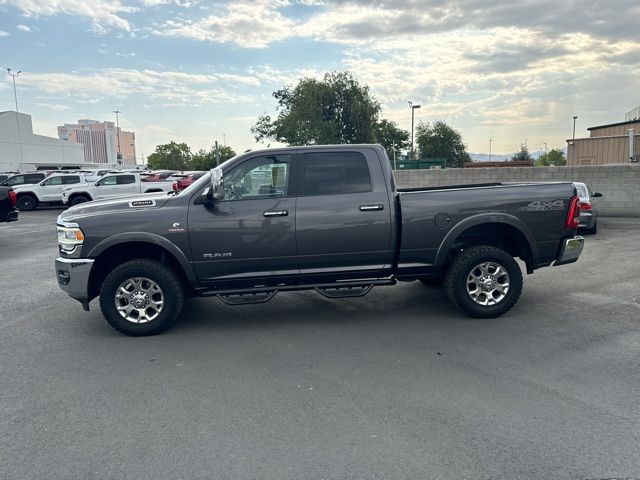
[484,281]
[141,297]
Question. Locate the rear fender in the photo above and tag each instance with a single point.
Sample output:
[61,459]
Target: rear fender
[480,219]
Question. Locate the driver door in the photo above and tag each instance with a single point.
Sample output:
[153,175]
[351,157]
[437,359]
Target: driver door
[51,189]
[106,187]
[250,233]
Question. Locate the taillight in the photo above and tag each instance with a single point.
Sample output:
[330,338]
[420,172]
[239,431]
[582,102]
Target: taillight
[573,216]
[586,206]
[13,198]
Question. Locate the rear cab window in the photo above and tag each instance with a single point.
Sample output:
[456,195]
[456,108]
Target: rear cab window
[335,173]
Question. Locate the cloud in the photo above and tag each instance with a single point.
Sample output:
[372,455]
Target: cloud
[24,28]
[3,34]
[167,88]
[104,14]
[53,106]
[248,24]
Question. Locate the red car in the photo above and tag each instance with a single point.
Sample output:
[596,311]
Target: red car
[184,179]
[158,176]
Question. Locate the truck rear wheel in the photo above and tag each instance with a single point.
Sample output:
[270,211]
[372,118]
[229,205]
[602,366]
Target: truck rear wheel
[484,282]
[141,297]
[27,202]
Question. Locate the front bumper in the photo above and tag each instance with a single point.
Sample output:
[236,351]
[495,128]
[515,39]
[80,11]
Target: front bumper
[570,250]
[73,277]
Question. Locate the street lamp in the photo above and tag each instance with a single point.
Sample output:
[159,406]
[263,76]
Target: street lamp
[490,140]
[13,76]
[19,137]
[119,156]
[574,126]
[413,109]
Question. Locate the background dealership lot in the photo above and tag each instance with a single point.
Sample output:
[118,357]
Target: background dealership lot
[395,384]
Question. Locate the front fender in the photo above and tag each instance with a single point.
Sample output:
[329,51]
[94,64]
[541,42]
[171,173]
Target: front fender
[147,237]
[483,218]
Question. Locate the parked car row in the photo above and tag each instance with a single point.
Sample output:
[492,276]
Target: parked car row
[32,189]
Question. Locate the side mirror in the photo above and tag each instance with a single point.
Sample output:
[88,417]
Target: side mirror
[206,196]
[217,184]
[597,195]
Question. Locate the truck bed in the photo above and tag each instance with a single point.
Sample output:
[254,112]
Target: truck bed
[431,215]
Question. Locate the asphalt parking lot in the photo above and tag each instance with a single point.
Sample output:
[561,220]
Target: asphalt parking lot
[394,385]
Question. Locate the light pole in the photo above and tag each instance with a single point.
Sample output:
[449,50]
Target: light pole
[574,127]
[19,137]
[490,140]
[413,109]
[545,147]
[119,156]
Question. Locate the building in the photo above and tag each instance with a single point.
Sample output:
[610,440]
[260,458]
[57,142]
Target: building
[102,142]
[21,149]
[615,143]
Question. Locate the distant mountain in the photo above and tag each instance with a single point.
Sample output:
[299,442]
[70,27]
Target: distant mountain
[484,157]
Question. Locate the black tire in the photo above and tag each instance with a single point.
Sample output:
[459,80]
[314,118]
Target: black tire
[462,266]
[78,199]
[432,281]
[27,202]
[172,293]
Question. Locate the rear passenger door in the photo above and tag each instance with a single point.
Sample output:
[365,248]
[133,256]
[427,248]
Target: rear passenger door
[343,215]
[127,185]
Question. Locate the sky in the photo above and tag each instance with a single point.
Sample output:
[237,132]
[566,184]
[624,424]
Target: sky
[198,71]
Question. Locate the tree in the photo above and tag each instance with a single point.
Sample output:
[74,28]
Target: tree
[206,160]
[554,157]
[441,141]
[523,155]
[392,138]
[334,110]
[170,156]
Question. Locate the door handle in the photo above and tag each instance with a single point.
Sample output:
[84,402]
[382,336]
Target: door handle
[276,213]
[369,208]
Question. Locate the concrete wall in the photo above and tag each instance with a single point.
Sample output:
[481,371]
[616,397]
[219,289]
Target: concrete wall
[620,184]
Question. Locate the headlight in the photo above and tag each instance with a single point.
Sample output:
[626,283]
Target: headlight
[69,238]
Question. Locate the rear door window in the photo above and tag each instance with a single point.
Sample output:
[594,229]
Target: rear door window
[125,179]
[334,173]
[33,177]
[70,179]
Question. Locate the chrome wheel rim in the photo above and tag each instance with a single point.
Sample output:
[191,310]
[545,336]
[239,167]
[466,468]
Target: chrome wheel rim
[139,300]
[488,283]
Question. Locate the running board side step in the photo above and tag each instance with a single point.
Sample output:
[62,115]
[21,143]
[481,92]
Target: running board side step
[247,298]
[344,292]
[261,294]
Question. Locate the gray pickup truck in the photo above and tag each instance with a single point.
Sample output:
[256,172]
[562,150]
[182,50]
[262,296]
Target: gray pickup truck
[328,218]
